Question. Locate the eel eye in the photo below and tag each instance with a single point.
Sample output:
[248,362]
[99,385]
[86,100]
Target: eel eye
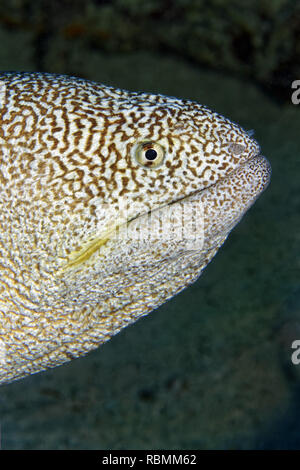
[149,154]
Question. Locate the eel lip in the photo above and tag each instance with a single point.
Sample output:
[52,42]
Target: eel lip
[260,164]
[257,163]
[258,160]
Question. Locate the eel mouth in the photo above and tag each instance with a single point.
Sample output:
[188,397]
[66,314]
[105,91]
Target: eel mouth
[258,167]
[258,160]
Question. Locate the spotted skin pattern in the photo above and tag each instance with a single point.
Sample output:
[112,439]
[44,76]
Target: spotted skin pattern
[67,150]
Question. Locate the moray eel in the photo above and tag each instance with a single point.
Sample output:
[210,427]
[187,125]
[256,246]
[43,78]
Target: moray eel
[111,203]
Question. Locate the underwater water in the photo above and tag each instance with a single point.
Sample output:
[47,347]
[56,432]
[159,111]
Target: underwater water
[210,369]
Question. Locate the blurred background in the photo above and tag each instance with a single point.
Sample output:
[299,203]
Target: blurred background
[211,369]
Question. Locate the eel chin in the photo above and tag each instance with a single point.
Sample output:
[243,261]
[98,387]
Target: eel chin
[225,202]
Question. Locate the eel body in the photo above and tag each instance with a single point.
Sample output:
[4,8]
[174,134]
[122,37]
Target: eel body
[111,202]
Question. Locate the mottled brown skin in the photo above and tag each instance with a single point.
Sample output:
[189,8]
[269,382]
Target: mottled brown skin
[72,153]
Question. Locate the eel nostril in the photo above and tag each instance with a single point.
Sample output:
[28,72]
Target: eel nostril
[237,149]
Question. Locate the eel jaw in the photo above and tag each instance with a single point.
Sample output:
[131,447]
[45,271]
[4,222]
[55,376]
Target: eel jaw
[257,167]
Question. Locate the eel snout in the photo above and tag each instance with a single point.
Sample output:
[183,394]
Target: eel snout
[226,202]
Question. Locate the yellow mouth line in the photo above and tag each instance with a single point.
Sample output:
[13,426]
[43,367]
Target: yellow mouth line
[78,257]
[85,252]
[81,255]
